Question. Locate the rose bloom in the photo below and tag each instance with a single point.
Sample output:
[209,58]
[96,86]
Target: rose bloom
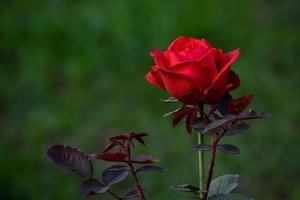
[193,71]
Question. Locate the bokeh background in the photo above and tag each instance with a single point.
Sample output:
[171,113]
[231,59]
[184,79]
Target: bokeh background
[72,72]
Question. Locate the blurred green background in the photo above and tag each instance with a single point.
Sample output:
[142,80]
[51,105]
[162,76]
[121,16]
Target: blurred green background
[72,72]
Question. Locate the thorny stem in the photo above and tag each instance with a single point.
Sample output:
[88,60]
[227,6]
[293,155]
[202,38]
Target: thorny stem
[215,138]
[137,182]
[114,195]
[211,165]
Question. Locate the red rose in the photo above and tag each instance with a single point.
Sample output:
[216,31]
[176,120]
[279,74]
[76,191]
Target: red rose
[193,71]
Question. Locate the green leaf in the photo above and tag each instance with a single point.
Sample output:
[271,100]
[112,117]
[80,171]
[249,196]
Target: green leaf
[230,197]
[223,184]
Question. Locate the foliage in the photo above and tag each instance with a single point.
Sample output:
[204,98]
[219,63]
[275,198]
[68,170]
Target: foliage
[73,159]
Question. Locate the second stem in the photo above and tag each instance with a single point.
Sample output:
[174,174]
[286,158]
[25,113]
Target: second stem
[201,167]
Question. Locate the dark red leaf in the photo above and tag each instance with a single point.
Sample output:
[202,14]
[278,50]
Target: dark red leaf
[71,158]
[228,148]
[251,114]
[108,147]
[91,187]
[128,137]
[115,174]
[236,106]
[138,137]
[141,140]
[113,157]
[190,120]
[217,124]
[151,168]
[223,104]
[119,137]
[199,125]
[237,128]
[179,115]
[144,159]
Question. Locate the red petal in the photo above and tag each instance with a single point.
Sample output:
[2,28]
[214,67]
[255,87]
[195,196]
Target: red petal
[174,58]
[236,106]
[176,84]
[184,49]
[222,77]
[201,74]
[178,43]
[209,59]
[206,43]
[154,78]
[158,57]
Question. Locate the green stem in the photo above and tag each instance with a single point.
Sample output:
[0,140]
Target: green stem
[201,166]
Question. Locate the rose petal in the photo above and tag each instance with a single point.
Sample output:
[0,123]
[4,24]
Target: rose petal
[178,43]
[176,84]
[154,78]
[184,49]
[206,43]
[186,81]
[221,59]
[209,59]
[174,58]
[201,74]
[158,57]
[222,77]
